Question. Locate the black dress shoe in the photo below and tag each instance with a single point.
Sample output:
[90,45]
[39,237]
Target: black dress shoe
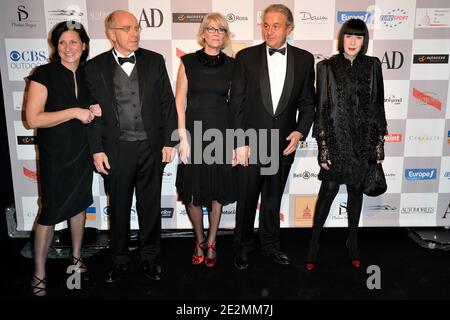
[116,272]
[280,257]
[151,271]
[241,262]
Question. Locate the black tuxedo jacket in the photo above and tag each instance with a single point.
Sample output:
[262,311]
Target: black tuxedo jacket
[250,96]
[157,103]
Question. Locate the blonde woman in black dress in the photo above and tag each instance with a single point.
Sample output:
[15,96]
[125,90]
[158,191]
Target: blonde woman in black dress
[202,96]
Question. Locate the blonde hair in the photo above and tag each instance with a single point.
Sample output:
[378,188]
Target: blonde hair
[221,22]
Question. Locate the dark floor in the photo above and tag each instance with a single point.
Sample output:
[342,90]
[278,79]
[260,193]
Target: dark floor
[408,271]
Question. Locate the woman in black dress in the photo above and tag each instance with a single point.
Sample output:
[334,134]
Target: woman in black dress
[349,128]
[57,107]
[203,83]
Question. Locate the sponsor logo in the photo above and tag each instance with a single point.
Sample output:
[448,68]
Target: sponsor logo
[106,211]
[393,137]
[231,17]
[448,137]
[343,16]
[393,100]
[305,175]
[151,18]
[309,18]
[22,19]
[74,12]
[30,174]
[167,213]
[417,210]
[427,99]
[26,140]
[393,60]
[394,18]
[432,17]
[447,175]
[304,210]
[91,213]
[420,174]
[424,138]
[188,17]
[430,58]
[27,59]
[320,56]
[380,207]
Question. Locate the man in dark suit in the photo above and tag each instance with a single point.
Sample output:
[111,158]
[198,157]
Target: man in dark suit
[271,82]
[131,141]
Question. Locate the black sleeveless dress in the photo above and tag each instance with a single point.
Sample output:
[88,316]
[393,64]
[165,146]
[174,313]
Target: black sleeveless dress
[65,163]
[208,178]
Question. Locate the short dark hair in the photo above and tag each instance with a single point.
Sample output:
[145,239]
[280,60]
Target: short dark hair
[355,27]
[64,26]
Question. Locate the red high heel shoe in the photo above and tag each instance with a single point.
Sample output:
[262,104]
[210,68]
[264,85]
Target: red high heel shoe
[196,260]
[211,262]
[309,266]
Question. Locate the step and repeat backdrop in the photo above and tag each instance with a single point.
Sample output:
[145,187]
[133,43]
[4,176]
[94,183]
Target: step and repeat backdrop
[411,38]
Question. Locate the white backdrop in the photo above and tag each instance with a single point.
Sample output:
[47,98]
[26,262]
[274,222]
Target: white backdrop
[411,37]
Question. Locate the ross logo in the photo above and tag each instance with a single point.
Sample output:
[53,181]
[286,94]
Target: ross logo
[305,175]
[167,213]
[231,17]
[430,58]
[394,60]
[26,140]
[33,176]
[420,174]
[393,137]
[343,16]
[309,18]
[394,18]
[188,17]
[393,100]
[427,99]
[153,18]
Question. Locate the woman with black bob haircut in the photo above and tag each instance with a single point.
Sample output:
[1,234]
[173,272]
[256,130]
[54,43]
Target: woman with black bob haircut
[349,127]
[57,106]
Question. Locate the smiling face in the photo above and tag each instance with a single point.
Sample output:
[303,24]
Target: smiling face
[124,41]
[214,35]
[275,30]
[352,45]
[70,48]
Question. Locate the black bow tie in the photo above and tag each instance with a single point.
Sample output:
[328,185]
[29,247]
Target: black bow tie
[282,51]
[131,59]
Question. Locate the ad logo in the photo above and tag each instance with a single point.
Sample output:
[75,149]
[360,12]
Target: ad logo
[420,174]
[343,16]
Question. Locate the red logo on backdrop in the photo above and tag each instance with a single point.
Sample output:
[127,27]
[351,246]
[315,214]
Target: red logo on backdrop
[427,99]
[30,174]
[180,53]
[397,137]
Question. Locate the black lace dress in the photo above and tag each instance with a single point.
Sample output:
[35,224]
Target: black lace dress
[202,181]
[350,121]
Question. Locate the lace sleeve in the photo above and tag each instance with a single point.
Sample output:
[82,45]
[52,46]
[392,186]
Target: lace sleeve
[380,148]
[323,155]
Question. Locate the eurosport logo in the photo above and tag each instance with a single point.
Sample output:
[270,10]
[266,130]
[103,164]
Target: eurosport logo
[344,16]
[420,174]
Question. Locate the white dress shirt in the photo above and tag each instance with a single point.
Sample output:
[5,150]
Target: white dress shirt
[276,64]
[127,66]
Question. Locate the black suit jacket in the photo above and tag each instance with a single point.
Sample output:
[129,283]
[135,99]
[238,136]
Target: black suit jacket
[157,103]
[250,96]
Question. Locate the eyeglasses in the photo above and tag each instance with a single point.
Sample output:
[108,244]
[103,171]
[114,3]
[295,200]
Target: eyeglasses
[214,30]
[127,29]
